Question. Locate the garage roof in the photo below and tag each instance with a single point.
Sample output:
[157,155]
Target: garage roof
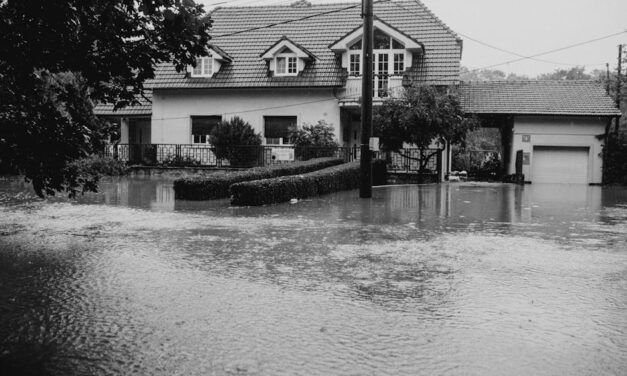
[580,98]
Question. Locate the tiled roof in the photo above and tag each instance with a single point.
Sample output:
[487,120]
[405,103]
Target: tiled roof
[439,65]
[537,98]
[143,108]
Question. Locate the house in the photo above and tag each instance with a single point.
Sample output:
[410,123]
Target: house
[280,66]
[554,128]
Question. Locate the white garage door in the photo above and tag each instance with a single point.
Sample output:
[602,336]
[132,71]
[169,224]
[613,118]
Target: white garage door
[559,165]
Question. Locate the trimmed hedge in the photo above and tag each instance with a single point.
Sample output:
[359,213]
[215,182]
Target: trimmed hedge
[281,189]
[216,185]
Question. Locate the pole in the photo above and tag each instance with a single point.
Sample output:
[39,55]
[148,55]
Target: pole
[607,78]
[619,78]
[365,167]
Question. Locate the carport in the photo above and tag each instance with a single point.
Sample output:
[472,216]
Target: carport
[553,130]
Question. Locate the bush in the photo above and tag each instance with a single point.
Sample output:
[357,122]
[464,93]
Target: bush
[236,141]
[217,185]
[314,141]
[615,159]
[281,189]
[97,165]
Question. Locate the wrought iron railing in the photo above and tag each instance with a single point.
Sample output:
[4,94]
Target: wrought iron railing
[202,155]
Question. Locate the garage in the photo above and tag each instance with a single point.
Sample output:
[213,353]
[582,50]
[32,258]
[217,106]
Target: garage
[567,165]
[551,131]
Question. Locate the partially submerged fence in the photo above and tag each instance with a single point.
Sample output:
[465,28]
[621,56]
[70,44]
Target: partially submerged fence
[188,155]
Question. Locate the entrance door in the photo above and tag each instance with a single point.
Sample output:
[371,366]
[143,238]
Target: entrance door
[552,164]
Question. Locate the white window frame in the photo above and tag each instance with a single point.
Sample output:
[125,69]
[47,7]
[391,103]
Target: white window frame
[205,65]
[289,57]
[375,52]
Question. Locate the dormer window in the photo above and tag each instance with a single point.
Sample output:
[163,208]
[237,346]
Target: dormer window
[286,64]
[204,67]
[393,50]
[208,66]
[286,58]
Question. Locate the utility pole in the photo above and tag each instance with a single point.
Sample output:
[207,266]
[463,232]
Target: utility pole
[619,76]
[607,78]
[365,167]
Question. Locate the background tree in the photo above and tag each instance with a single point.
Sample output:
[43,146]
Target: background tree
[57,57]
[236,141]
[421,116]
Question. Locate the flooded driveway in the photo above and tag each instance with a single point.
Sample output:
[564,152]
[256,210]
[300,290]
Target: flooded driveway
[421,280]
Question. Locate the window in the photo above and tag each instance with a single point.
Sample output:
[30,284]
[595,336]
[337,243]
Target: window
[399,64]
[203,68]
[354,64]
[276,129]
[202,127]
[286,66]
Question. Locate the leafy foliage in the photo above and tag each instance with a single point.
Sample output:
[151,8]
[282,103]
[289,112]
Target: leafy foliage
[236,141]
[57,57]
[420,116]
[314,141]
[282,189]
[615,159]
[217,185]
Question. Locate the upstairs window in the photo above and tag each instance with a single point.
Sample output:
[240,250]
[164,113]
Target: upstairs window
[286,65]
[276,129]
[354,67]
[203,68]
[202,127]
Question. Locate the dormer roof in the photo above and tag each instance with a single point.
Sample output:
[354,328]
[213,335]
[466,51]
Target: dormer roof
[348,39]
[221,54]
[283,43]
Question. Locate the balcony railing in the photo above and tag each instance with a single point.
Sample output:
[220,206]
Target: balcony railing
[383,87]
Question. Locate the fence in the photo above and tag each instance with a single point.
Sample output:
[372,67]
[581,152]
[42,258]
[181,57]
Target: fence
[407,160]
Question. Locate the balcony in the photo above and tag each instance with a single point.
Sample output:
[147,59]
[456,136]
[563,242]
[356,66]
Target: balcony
[383,87]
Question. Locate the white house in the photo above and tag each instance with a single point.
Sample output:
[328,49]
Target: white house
[279,66]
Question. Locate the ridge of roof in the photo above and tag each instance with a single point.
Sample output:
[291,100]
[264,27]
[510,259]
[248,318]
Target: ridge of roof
[297,45]
[284,6]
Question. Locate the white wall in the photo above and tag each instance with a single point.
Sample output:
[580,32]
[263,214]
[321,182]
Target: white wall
[559,131]
[172,110]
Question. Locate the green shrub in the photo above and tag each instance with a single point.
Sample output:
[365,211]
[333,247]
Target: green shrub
[236,141]
[314,141]
[281,189]
[217,185]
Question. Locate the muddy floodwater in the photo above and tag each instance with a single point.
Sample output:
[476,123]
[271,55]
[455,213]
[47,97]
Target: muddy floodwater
[451,279]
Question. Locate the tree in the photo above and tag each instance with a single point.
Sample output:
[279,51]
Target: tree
[314,141]
[574,73]
[236,141]
[420,116]
[57,57]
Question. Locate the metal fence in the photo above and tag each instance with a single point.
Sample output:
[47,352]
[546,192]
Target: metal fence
[189,155]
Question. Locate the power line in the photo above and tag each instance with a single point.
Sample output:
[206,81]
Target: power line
[268,108]
[522,57]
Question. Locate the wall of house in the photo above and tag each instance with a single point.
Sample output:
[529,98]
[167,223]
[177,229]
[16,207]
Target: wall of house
[559,131]
[172,110]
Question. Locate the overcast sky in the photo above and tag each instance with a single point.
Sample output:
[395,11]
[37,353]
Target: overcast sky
[525,27]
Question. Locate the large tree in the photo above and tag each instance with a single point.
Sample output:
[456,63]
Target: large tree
[58,57]
[419,117]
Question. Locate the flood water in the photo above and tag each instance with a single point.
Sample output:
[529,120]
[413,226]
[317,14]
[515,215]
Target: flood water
[473,279]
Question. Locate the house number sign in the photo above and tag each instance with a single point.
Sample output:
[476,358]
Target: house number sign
[526,138]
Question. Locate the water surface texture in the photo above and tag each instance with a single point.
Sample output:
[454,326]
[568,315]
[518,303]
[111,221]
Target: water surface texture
[473,279]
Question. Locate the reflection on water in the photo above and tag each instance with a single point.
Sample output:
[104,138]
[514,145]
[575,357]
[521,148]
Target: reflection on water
[434,279]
